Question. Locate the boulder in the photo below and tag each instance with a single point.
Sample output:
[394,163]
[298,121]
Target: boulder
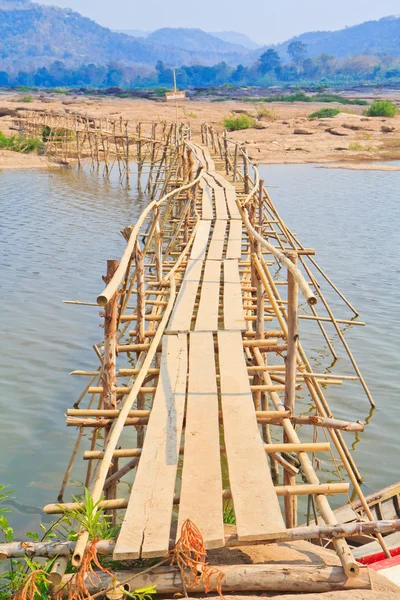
[333,131]
[351,126]
[301,131]
[388,128]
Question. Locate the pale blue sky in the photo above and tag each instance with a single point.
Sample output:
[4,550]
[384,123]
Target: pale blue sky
[263,20]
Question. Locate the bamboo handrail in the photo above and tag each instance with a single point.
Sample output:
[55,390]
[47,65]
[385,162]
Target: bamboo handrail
[118,424]
[112,287]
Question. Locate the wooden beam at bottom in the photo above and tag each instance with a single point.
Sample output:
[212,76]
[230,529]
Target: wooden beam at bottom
[237,578]
[280,490]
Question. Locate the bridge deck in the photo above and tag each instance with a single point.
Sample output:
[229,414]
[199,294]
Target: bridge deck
[213,278]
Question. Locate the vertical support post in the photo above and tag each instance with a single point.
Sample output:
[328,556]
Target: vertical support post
[259,285]
[293,335]
[127,152]
[140,296]
[109,378]
[290,380]
[246,171]
[235,163]
[226,153]
[206,131]
[158,246]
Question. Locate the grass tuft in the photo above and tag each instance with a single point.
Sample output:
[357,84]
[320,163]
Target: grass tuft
[324,113]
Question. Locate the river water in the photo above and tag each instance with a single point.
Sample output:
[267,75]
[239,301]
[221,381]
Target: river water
[59,228]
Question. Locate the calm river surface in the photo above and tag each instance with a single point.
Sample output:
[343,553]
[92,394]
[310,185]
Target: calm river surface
[58,229]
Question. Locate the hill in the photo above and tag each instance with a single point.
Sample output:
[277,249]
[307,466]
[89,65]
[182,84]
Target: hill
[371,37]
[234,37]
[195,40]
[34,35]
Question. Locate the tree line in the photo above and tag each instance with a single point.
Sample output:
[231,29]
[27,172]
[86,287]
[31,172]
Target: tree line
[268,70]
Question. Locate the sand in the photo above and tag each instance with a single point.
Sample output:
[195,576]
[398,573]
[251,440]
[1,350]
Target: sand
[285,136]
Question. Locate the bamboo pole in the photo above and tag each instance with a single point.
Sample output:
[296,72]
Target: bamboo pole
[108,376]
[350,566]
[54,548]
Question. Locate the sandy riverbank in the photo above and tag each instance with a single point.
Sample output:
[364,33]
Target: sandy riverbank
[286,136]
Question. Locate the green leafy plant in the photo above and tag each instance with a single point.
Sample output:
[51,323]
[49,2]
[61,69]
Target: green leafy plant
[229,513]
[324,113]
[240,122]
[382,108]
[92,520]
[144,593]
[26,99]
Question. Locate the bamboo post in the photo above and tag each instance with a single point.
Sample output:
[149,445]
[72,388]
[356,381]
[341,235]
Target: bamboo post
[292,337]
[127,152]
[235,162]
[108,378]
[290,381]
[158,245]
[141,299]
[245,172]
[139,148]
[226,153]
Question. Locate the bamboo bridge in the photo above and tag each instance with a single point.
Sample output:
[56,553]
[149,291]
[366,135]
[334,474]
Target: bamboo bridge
[199,369]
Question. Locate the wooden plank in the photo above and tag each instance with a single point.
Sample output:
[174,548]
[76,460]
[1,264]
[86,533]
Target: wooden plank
[207,316]
[233,306]
[234,248]
[217,241]
[181,317]
[146,527]
[200,241]
[231,202]
[255,501]
[207,211]
[222,181]
[201,492]
[220,203]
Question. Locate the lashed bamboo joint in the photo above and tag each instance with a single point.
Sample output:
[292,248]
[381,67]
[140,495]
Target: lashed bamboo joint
[215,347]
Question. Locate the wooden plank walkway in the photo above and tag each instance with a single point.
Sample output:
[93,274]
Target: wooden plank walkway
[207,316]
[233,305]
[212,270]
[234,248]
[182,315]
[217,241]
[201,492]
[146,527]
[200,244]
[255,502]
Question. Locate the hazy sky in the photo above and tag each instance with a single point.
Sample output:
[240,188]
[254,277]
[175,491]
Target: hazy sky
[263,20]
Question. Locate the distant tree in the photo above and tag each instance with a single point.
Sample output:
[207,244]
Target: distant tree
[3,78]
[269,61]
[239,74]
[297,51]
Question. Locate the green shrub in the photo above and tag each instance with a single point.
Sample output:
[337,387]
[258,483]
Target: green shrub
[324,113]
[240,122]
[382,108]
[26,99]
[20,144]
[300,96]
